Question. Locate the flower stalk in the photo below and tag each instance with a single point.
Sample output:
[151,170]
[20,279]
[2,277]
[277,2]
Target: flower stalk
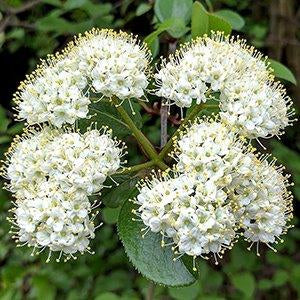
[191,116]
[138,167]
[144,142]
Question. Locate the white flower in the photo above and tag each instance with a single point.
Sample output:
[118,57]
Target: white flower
[103,61]
[116,64]
[51,174]
[258,111]
[210,149]
[54,93]
[219,188]
[193,207]
[72,160]
[187,211]
[250,100]
[263,203]
[53,224]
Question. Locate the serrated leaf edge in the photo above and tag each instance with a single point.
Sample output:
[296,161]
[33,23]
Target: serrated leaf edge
[139,271]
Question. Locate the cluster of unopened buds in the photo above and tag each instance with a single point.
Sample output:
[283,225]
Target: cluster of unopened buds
[218,189]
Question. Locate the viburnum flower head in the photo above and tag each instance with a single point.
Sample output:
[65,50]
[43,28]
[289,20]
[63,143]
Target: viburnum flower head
[74,161]
[219,190]
[55,93]
[60,221]
[194,214]
[193,207]
[116,64]
[210,148]
[249,98]
[256,189]
[107,63]
[264,204]
[51,174]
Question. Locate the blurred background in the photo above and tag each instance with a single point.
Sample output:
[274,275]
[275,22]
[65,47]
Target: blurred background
[31,29]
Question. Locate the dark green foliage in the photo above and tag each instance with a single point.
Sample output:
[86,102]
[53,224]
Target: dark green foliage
[105,114]
[108,275]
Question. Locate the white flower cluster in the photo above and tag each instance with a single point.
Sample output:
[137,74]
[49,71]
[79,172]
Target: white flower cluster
[108,63]
[260,110]
[51,174]
[210,149]
[259,191]
[218,190]
[58,220]
[54,93]
[114,63]
[194,213]
[249,98]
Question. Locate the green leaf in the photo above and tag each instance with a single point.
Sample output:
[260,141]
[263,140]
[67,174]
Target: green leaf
[211,297]
[286,156]
[124,6]
[137,117]
[166,9]
[150,39]
[119,194]
[53,22]
[147,255]
[174,26]
[4,121]
[105,114]
[5,139]
[72,4]
[142,9]
[280,278]
[241,260]
[154,47]
[290,159]
[295,276]
[215,279]
[178,29]
[16,33]
[200,20]
[265,284]
[107,296]
[2,38]
[43,288]
[244,282]
[282,71]
[97,10]
[11,274]
[110,215]
[217,23]
[189,292]
[10,294]
[117,280]
[236,21]
[15,129]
